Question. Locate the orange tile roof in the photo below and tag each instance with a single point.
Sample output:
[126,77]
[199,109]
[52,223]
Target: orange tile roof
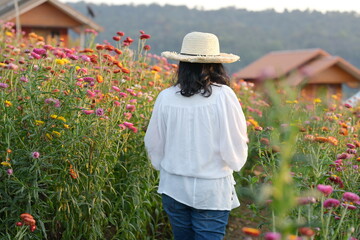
[279,63]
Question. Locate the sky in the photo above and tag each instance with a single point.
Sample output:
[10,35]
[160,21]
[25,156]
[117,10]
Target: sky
[254,5]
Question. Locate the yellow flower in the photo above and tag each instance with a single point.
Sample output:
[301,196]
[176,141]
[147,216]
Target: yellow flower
[7,164]
[60,61]
[53,116]
[8,103]
[9,34]
[317,100]
[2,64]
[66,126]
[38,122]
[61,118]
[77,68]
[48,136]
[56,133]
[253,122]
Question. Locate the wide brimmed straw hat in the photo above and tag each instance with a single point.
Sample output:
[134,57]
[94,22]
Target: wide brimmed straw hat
[199,47]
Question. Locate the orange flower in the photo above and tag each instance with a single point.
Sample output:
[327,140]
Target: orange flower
[324,129]
[118,51]
[72,172]
[99,78]
[125,70]
[306,231]
[321,139]
[333,140]
[343,131]
[156,68]
[309,137]
[251,231]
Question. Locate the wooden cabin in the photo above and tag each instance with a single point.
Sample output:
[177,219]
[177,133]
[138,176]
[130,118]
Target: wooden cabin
[50,19]
[314,70]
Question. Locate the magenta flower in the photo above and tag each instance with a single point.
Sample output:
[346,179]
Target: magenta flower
[89,79]
[35,55]
[350,145]
[331,203]
[272,236]
[9,172]
[349,206]
[4,85]
[351,197]
[88,112]
[99,111]
[35,154]
[24,79]
[325,189]
[39,51]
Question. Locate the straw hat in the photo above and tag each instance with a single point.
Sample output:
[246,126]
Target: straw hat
[199,47]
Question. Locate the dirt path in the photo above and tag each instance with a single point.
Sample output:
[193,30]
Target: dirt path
[239,218]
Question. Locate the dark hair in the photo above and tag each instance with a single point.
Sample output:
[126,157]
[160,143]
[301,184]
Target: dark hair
[196,78]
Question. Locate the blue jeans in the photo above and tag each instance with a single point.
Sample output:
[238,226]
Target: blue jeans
[194,224]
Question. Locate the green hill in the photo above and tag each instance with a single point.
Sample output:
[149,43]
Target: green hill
[246,33]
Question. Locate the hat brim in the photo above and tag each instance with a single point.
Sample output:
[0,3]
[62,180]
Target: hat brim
[222,58]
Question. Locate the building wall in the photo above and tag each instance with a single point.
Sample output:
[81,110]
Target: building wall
[46,15]
[334,75]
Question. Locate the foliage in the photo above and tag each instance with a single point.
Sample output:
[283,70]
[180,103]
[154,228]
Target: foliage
[72,123]
[250,34]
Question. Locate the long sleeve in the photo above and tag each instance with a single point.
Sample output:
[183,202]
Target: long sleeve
[233,130]
[155,135]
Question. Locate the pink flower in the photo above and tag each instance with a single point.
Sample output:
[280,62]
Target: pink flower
[90,93]
[117,103]
[35,154]
[99,111]
[130,107]
[122,94]
[88,112]
[35,55]
[128,124]
[10,171]
[272,236]
[128,115]
[325,189]
[351,197]
[116,88]
[134,129]
[122,126]
[306,200]
[331,203]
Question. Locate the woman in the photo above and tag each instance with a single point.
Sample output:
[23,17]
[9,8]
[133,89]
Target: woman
[196,138]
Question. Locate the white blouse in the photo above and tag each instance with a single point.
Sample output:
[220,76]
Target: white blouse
[197,142]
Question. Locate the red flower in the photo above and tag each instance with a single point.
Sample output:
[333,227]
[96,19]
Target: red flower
[145,36]
[116,38]
[120,33]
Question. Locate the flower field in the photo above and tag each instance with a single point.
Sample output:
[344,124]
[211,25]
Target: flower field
[73,163]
